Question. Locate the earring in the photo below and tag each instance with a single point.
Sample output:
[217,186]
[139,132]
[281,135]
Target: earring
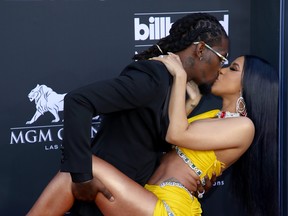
[200,58]
[241,106]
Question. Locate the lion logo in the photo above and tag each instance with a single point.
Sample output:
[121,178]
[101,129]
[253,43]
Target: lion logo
[46,100]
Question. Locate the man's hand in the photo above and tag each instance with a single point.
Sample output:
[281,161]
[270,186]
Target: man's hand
[202,189]
[87,191]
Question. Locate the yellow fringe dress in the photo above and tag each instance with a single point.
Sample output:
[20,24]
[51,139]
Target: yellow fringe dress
[173,198]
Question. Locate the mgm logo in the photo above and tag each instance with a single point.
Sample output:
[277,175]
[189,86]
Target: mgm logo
[46,100]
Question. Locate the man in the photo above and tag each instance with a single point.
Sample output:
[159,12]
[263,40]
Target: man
[134,109]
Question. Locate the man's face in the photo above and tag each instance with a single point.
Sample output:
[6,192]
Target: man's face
[205,70]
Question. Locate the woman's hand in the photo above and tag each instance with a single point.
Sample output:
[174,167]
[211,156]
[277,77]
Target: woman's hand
[173,64]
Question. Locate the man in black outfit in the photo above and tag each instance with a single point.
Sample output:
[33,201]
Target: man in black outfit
[134,109]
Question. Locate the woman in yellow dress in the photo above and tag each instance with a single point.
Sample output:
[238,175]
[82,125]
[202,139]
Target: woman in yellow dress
[245,130]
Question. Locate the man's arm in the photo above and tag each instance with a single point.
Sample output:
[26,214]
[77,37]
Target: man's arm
[134,88]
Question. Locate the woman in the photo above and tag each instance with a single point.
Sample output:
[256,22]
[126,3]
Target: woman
[254,81]
[243,132]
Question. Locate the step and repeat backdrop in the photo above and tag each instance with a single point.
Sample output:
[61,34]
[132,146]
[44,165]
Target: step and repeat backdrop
[49,47]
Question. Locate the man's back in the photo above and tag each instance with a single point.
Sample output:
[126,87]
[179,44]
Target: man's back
[130,134]
[130,139]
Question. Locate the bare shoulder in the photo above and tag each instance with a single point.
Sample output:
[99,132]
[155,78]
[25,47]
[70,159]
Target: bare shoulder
[241,123]
[242,126]
[245,129]
[247,123]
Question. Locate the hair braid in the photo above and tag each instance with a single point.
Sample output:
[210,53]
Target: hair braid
[185,31]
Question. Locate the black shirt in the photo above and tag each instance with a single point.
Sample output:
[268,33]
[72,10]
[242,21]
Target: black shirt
[130,135]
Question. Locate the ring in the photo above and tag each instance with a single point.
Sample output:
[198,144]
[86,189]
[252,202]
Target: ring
[200,195]
[161,56]
[203,181]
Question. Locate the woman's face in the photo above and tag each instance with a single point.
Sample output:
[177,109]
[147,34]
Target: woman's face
[229,80]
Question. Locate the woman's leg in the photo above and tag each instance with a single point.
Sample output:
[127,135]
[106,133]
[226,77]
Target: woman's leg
[56,199]
[130,198]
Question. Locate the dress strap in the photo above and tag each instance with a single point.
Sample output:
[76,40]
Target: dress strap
[188,161]
[205,115]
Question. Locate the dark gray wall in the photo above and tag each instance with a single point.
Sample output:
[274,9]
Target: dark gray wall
[265,30]
[67,44]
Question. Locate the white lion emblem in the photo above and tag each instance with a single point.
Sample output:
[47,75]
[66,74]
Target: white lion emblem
[46,100]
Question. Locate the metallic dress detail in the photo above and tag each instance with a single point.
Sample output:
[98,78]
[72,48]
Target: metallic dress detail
[190,163]
[178,184]
[168,209]
[175,184]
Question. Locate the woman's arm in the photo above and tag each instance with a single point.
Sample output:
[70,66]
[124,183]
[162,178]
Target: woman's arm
[210,134]
[178,105]
[213,134]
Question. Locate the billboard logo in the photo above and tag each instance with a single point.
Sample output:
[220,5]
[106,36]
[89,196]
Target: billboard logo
[225,23]
[157,28]
[151,27]
[46,100]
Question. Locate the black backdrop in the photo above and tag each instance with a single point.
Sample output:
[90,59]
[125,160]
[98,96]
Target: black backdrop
[69,43]
[283,64]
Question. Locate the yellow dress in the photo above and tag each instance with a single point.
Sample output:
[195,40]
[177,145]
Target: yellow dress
[173,198]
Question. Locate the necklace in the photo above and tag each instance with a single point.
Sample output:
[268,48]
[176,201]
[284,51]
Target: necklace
[223,114]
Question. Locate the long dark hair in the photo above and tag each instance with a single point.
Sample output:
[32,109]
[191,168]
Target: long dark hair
[185,31]
[254,175]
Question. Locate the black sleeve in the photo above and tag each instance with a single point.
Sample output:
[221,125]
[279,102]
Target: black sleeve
[135,87]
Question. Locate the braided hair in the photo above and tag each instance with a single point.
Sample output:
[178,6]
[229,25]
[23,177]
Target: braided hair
[188,29]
